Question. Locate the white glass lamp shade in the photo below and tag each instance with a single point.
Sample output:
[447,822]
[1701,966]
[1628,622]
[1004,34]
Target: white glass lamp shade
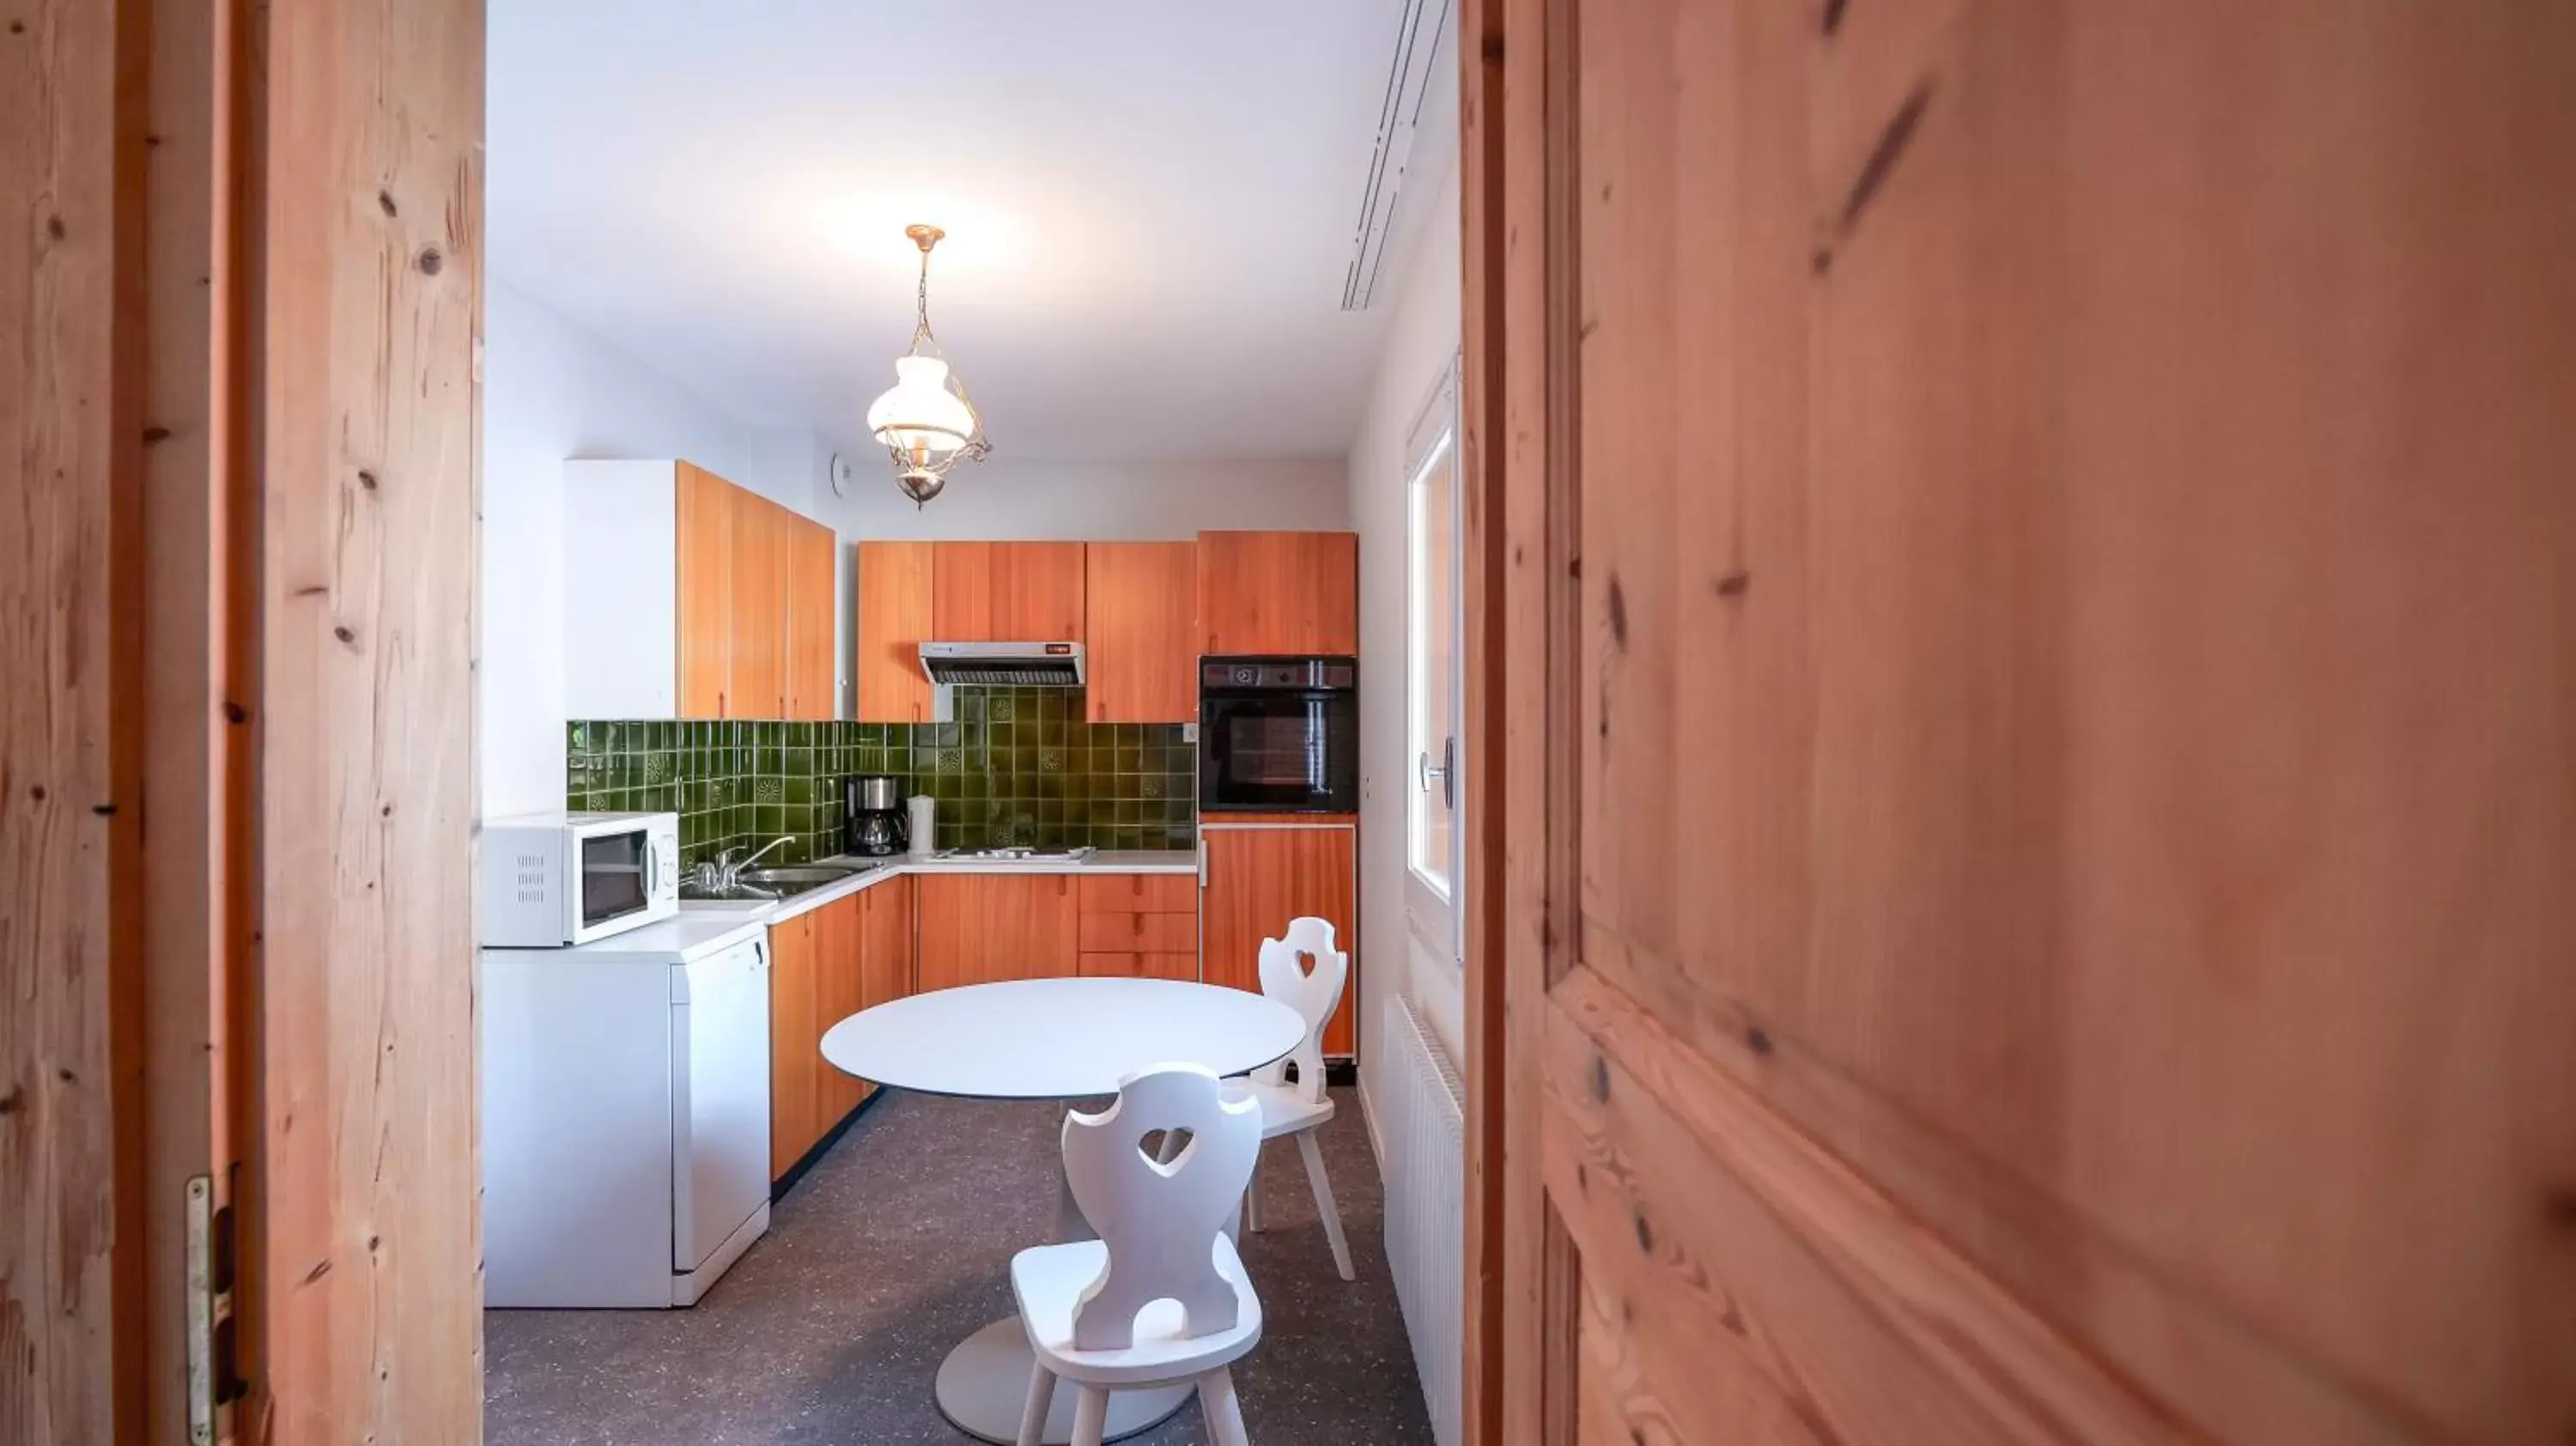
[919,413]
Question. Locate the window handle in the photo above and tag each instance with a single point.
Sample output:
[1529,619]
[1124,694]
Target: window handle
[1446,773]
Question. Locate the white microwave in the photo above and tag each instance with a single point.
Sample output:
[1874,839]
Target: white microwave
[553,879]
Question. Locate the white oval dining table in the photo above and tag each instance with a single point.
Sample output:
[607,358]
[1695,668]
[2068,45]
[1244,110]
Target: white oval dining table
[1051,1039]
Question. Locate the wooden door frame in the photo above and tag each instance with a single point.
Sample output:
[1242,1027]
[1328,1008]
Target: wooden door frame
[1520,1270]
[240,775]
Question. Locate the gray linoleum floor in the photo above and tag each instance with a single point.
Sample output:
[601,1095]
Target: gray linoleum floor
[896,1246]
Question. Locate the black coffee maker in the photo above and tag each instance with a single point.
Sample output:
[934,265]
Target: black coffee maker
[872,805]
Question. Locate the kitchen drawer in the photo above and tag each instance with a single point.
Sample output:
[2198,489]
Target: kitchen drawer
[1159,933]
[1140,965]
[1140,893]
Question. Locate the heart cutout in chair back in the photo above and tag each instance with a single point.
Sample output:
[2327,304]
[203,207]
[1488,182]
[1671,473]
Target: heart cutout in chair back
[1164,1148]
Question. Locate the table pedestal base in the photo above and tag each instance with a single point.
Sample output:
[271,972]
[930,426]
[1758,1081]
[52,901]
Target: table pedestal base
[984,1385]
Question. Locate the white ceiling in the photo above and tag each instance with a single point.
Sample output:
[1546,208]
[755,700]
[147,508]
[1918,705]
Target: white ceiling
[1150,205]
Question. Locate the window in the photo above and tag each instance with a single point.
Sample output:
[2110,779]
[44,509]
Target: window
[1434,677]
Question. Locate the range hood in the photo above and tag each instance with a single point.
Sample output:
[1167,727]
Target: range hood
[1016,665]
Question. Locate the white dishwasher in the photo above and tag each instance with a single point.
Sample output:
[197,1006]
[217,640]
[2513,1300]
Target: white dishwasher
[625,1115]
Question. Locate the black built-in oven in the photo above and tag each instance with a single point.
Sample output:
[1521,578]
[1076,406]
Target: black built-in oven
[1279,735]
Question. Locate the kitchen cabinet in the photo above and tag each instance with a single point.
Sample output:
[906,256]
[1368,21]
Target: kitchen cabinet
[825,965]
[1260,876]
[688,597]
[795,1064]
[1140,627]
[979,928]
[703,516]
[1142,926]
[757,687]
[1278,592]
[894,595]
[1007,592]
[810,605]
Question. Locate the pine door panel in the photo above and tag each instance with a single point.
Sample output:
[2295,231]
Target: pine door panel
[2007,920]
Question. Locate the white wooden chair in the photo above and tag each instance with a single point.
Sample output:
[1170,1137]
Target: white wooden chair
[1302,1107]
[1160,1299]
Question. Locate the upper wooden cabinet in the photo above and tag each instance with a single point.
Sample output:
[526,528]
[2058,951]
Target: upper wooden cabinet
[688,597]
[1279,592]
[810,607]
[1140,628]
[704,515]
[1007,592]
[894,593]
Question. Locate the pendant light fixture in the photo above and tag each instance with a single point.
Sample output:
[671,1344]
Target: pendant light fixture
[925,421]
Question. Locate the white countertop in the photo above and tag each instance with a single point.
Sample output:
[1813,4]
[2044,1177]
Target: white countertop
[1109,861]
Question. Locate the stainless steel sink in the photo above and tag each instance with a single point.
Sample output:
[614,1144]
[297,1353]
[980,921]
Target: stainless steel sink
[764,885]
[808,875]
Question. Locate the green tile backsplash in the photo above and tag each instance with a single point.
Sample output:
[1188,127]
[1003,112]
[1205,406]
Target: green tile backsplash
[1018,765]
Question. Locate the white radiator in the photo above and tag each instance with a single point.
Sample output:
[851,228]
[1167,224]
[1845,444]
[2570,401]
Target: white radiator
[1423,1123]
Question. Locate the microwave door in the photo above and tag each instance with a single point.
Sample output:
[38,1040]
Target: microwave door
[616,877]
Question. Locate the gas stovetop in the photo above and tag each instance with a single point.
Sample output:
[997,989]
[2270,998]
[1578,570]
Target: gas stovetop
[1018,855]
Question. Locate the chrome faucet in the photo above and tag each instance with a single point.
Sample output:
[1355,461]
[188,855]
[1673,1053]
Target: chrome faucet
[724,875]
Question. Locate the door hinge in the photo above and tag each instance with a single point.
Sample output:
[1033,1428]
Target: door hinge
[214,1379]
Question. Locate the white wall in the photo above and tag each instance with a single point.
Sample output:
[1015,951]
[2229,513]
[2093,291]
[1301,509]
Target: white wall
[1421,340]
[553,391]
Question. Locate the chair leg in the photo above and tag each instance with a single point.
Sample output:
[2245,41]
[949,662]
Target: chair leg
[1224,1412]
[1090,1416]
[1308,1146]
[1252,1195]
[1041,1396]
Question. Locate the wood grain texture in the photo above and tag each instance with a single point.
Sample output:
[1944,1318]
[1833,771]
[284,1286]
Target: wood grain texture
[886,946]
[367,1296]
[1007,592]
[1157,933]
[58,783]
[981,928]
[1140,604]
[809,606]
[1279,592]
[795,1008]
[1096,964]
[1139,893]
[705,523]
[895,598]
[756,685]
[2030,747]
[841,990]
[1260,878]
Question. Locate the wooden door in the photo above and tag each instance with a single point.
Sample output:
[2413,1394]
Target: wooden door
[1007,592]
[1260,877]
[810,614]
[758,681]
[1140,628]
[706,529]
[2025,620]
[795,1069]
[894,591]
[1279,592]
[978,928]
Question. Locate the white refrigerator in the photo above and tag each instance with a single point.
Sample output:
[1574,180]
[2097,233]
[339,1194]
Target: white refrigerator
[625,1115]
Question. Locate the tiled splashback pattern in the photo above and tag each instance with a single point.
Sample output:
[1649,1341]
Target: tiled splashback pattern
[1019,765]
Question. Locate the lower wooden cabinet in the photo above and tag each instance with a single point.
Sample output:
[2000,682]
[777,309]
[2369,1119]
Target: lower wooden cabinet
[1262,876]
[979,928]
[1103,965]
[826,965]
